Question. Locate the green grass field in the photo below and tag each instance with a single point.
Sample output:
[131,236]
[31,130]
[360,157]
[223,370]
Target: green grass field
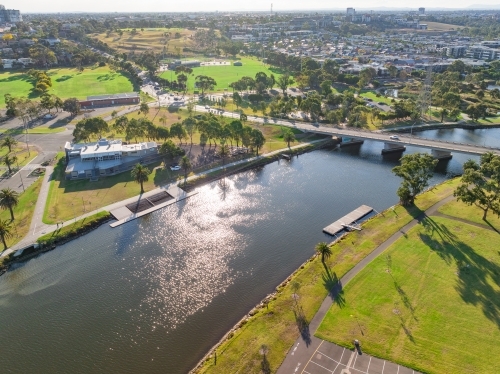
[224,75]
[381,98]
[23,213]
[276,326]
[67,83]
[431,301]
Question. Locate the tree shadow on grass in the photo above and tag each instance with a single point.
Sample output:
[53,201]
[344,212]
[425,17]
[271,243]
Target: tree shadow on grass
[334,287]
[476,274]
[265,366]
[302,324]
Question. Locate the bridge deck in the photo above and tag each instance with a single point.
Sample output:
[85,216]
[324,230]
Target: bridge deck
[348,219]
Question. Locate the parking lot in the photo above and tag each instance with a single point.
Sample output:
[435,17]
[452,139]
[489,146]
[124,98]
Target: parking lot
[330,358]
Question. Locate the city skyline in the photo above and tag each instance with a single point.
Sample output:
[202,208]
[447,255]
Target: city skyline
[27,6]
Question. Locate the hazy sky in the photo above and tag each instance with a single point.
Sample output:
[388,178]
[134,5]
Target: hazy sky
[29,6]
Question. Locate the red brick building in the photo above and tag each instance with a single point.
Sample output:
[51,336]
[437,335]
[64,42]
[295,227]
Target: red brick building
[130,98]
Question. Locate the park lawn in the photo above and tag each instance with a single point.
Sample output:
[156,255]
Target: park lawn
[430,302]
[372,95]
[224,75]
[275,325]
[471,213]
[67,82]
[70,198]
[14,83]
[23,212]
[490,120]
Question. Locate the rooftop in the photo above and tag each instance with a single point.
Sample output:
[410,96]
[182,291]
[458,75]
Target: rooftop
[114,96]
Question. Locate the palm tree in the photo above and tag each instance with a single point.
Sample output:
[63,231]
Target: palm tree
[288,137]
[325,251]
[140,174]
[223,153]
[5,231]
[8,200]
[8,161]
[186,165]
[9,142]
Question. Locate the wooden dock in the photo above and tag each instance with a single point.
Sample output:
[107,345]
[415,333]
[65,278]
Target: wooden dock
[347,221]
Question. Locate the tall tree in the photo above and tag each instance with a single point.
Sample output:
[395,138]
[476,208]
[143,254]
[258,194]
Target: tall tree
[186,166]
[144,109]
[205,83]
[5,231]
[8,200]
[288,137]
[140,173]
[480,184]
[9,142]
[324,250]
[415,170]
[257,139]
[71,105]
[9,161]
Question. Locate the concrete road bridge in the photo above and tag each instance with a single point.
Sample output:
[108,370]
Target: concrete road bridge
[349,137]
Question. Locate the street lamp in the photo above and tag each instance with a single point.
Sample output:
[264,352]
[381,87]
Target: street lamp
[411,132]
[19,171]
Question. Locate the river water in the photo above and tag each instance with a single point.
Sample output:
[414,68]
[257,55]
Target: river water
[153,295]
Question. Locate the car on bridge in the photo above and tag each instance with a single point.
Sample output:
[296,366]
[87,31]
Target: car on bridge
[394,137]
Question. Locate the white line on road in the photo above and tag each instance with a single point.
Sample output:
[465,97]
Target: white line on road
[312,362]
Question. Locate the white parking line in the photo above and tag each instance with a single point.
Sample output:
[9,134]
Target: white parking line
[383,367]
[321,366]
[369,362]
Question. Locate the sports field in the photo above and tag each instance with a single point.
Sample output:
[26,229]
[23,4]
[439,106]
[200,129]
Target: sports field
[224,75]
[431,301]
[67,83]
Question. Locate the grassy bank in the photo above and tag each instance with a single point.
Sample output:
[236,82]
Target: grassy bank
[74,229]
[275,324]
[23,213]
[430,302]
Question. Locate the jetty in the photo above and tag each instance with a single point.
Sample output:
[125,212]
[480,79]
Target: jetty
[348,222]
[148,203]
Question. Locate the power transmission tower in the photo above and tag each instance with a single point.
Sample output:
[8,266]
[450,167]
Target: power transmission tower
[425,97]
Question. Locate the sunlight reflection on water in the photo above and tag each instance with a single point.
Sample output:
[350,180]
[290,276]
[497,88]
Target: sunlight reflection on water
[194,265]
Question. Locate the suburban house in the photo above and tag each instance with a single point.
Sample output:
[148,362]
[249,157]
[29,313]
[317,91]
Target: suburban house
[106,157]
[129,98]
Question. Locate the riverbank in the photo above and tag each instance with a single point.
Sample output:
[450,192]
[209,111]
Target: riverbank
[204,178]
[273,322]
[439,126]
[61,236]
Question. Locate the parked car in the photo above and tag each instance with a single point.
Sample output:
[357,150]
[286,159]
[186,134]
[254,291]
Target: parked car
[175,167]
[49,116]
[381,103]
[394,137]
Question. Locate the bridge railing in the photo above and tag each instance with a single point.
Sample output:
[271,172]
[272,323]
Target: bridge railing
[405,135]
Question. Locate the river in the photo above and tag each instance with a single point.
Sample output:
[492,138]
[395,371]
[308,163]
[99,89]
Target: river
[153,295]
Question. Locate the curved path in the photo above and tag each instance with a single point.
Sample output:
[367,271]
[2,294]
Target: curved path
[321,357]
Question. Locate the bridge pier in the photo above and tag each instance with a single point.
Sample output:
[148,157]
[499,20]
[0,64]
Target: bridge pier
[441,155]
[346,141]
[393,148]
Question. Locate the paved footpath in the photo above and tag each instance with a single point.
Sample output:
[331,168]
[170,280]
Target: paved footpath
[38,228]
[322,357]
